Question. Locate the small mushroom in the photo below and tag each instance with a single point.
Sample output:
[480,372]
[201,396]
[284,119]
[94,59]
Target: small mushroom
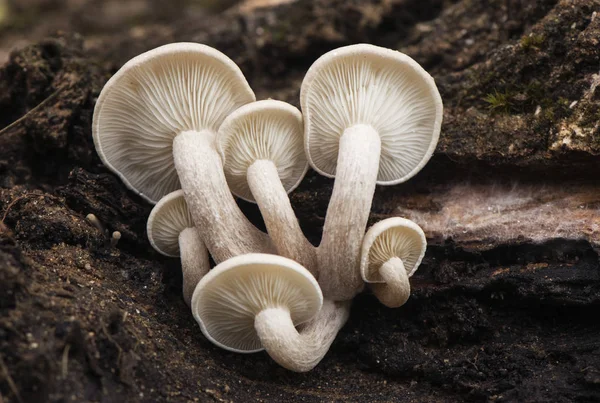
[254,302]
[171,232]
[371,116]
[92,219]
[261,145]
[115,238]
[392,251]
[154,125]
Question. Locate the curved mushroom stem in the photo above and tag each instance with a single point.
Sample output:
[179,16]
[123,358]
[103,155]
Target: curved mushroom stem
[396,289]
[280,219]
[194,261]
[300,351]
[348,212]
[226,230]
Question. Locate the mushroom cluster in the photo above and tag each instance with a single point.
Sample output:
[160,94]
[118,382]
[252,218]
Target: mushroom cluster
[182,128]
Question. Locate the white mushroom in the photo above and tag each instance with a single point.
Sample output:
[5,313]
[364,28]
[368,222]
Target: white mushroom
[262,148]
[371,115]
[391,253]
[115,238]
[255,301]
[95,222]
[172,233]
[154,125]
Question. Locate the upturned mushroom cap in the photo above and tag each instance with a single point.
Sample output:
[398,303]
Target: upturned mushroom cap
[167,220]
[154,97]
[229,297]
[370,85]
[392,237]
[263,130]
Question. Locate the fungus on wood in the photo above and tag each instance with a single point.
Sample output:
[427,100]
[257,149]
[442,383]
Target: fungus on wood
[391,253]
[255,301]
[371,116]
[262,148]
[154,125]
[172,233]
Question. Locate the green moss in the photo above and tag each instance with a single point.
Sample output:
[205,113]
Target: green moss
[498,101]
[532,41]
[557,110]
[564,102]
[517,98]
[549,114]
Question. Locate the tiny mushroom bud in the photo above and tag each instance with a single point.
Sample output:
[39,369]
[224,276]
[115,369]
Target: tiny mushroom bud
[392,251]
[262,148]
[371,116]
[154,125]
[114,239]
[95,222]
[172,233]
[254,302]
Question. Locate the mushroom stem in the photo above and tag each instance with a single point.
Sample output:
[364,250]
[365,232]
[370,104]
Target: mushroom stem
[226,230]
[280,219]
[348,212]
[300,351]
[396,289]
[194,261]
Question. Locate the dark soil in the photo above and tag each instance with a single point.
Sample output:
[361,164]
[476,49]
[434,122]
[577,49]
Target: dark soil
[499,312]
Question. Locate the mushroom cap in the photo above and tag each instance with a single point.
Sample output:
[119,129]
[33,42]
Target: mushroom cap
[370,85]
[155,96]
[392,237]
[167,220]
[227,299]
[263,130]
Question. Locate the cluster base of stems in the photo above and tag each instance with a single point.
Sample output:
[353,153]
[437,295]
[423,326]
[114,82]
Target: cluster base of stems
[302,350]
[226,231]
